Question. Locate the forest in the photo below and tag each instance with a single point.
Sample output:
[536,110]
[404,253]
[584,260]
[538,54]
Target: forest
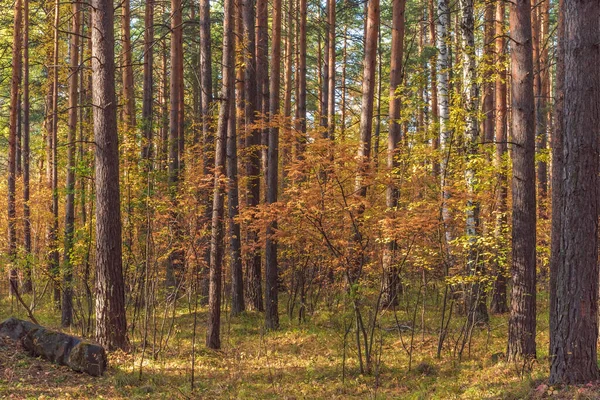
[301,198]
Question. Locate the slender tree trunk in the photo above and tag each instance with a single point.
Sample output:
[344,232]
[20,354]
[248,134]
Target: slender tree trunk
[262,75]
[12,146]
[574,329]
[127,67]
[521,328]
[435,141]
[235,244]
[271,265]
[253,139]
[488,84]
[175,263]
[301,101]
[111,325]
[53,257]
[331,23]
[477,298]
[67,292]
[541,106]
[28,283]
[499,304]
[213,339]
[148,88]
[392,286]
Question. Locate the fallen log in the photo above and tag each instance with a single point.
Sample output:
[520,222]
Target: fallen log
[79,354]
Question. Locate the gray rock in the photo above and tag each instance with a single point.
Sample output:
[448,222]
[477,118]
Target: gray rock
[15,328]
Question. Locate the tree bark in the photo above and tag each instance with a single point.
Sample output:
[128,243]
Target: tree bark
[127,67]
[111,326]
[28,282]
[213,338]
[575,324]
[522,324]
[271,264]
[67,292]
[148,88]
[392,286]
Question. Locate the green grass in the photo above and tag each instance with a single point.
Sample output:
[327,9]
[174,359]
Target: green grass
[298,361]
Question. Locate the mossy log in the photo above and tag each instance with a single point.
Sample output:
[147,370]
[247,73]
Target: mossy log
[80,355]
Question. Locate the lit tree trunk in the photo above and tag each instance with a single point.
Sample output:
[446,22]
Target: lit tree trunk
[488,84]
[262,75]
[521,327]
[392,286]
[574,332]
[365,130]
[207,130]
[111,326]
[213,335]
[301,100]
[499,304]
[477,298]
[271,266]
[443,82]
[541,111]
[53,257]
[67,295]
[331,68]
[235,246]
[27,284]
[435,141]
[175,263]
[286,149]
[148,88]
[253,140]
[557,171]
[127,68]
[12,146]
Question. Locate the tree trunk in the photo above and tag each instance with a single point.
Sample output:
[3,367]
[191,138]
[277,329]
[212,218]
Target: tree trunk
[521,327]
[127,67]
[148,88]
[213,339]
[67,298]
[253,139]
[235,118]
[28,283]
[392,286]
[111,326]
[331,69]
[271,266]
[574,330]
[176,261]
[499,304]
[12,146]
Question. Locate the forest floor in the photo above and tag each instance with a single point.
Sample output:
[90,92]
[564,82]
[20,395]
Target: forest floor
[298,361]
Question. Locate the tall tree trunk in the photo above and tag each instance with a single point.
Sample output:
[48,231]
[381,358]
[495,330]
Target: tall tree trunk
[301,100]
[213,338]
[253,140]
[443,82]
[262,75]
[67,295]
[521,327]
[237,110]
[148,88]
[435,141]
[28,283]
[127,67]
[541,106]
[331,23]
[12,146]
[477,297]
[488,84]
[53,257]
[575,323]
[175,263]
[271,266]
[206,100]
[111,325]
[392,286]
[499,304]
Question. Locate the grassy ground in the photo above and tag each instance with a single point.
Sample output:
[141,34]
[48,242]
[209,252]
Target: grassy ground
[298,361]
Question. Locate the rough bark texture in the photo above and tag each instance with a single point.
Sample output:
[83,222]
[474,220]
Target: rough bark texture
[12,145]
[27,284]
[213,338]
[391,272]
[67,295]
[499,304]
[575,325]
[111,326]
[271,265]
[127,66]
[522,324]
[254,295]
[148,88]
